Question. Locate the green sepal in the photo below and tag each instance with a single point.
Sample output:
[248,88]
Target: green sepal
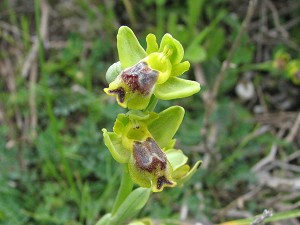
[114,144]
[120,123]
[129,49]
[170,120]
[176,88]
[181,171]
[176,158]
[113,71]
[187,175]
[135,201]
[152,45]
[180,68]
[170,145]
[172,44]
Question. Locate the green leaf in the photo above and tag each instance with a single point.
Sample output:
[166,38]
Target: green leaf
[215,42]
[124,189]
[170,120]
[129,49]
[133,203]
[152,45]
[198,39]
[169,42]
[196,54]
[195,8]
[176,88]
[113,71]
[244,53]
[276,217]
[114,144]
[104,219]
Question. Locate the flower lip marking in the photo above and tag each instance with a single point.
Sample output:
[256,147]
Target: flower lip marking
[149,156]
[140,78]
[163,180]
[120,93]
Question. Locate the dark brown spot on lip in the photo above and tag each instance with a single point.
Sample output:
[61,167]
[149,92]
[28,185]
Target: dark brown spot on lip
[161,181]
[149,156]
[140,78]
[120,93]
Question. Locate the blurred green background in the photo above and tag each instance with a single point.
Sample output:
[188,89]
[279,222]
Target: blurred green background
[54,167]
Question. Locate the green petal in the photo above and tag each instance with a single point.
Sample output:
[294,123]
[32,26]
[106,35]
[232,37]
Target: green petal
[189,174]
[170,42]
[181,172]
[176,158]
[176,88]
[163,65]
[152,45]
[114,144]
[129,49]
[113,71]
[170,120]
[180,68]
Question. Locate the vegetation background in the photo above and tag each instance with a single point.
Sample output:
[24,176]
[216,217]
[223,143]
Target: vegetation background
[244,124]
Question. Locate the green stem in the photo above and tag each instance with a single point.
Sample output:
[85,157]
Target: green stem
[152,104]
[124,189]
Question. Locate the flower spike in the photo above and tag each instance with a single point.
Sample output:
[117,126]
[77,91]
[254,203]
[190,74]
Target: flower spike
[140,73]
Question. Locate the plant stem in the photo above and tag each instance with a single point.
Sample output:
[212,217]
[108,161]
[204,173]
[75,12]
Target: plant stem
[152,104]
[124,189]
